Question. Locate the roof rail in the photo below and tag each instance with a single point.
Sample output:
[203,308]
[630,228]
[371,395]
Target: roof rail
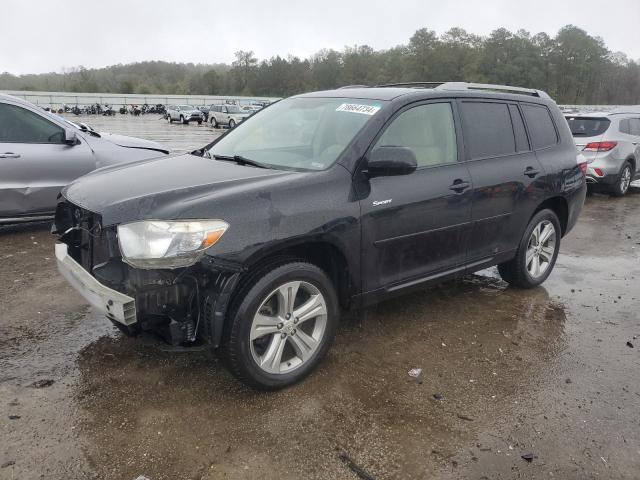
[352,86]
[492,88]
[412,84]
[470,86]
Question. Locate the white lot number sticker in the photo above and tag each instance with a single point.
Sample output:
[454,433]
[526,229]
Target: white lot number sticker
[355,108]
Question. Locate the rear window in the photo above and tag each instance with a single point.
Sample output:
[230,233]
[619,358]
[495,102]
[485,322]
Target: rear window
[541,129]
[488,130]
[588,127]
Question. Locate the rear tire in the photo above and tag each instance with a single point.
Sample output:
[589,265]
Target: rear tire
[621,187]
[199,122]
[232,123]
[169,119]
[271,340]
[185,122]
[537,253]
[214,122]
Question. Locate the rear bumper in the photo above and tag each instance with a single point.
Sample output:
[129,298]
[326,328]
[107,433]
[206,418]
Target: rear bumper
[608,179]
[115,305]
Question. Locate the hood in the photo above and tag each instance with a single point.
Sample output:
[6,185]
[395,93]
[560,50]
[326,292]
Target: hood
[132,142]
[167,188]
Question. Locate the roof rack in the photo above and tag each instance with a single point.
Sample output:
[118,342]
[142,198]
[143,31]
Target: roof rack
[352,86]
[471,86]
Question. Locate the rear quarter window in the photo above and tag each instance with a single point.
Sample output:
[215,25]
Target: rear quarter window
[487,129]
[541,128]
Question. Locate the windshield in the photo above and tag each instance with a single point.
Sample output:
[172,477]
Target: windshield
[299,133]
[588,127]
[187,107]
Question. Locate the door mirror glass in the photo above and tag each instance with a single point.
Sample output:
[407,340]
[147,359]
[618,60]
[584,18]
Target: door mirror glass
[70,137]
[389,160]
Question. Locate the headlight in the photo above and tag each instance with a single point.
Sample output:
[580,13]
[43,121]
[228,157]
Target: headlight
[160,244]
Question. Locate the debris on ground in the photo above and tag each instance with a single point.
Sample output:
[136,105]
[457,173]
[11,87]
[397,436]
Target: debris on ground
[47,382]
[14,417]
[358,470]
[416,373]
[568,380]
[629,344]
[438,396]
[464,417]
[7,464]
[528,457]
[142,477]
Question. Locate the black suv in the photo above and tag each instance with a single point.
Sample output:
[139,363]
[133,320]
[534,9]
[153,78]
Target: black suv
[319,203]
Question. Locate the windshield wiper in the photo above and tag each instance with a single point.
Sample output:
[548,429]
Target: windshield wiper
[240,160]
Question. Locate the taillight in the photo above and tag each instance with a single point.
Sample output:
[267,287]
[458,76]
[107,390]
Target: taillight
[598,172]
[600,146]
[583,167]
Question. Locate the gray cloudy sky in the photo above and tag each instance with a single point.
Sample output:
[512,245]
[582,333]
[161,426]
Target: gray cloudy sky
[49,35]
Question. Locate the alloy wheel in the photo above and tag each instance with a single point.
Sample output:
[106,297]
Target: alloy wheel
[625,179]
[288,327]
[541,249]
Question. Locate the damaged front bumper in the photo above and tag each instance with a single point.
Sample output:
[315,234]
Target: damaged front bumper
[115,305]
[183,306]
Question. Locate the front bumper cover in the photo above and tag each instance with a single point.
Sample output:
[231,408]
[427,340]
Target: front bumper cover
[115,305]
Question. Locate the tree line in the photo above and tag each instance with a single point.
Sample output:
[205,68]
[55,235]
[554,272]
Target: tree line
[573,67]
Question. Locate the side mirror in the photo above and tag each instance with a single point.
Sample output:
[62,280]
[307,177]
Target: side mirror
[70,137]
[387,161]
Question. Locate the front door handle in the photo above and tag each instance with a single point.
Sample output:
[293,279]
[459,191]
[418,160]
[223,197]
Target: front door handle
[459,186]
[9,155]
[531,172]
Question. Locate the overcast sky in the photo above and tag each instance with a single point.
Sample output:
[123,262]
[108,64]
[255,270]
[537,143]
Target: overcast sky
[49,35]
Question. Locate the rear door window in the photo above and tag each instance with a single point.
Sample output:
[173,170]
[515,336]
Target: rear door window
[487,129]
[590,126]
[634,126]
[541,127]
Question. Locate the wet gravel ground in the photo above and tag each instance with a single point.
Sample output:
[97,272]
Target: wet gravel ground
[548,373]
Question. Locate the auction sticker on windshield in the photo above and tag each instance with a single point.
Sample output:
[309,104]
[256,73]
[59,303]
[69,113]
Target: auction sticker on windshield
[355,108]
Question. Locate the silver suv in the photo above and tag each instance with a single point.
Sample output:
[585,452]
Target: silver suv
[610,142]
[184,114]
[229,115]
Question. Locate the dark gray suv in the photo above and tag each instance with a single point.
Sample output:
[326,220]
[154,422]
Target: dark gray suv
[320,203]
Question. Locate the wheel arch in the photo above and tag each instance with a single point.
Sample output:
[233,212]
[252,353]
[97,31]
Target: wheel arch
[560,207]
[319,252]
[632,160]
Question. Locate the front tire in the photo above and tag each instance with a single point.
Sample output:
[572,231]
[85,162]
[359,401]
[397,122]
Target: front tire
[169,119]
[214,122]
[280,325]
[536,254]
[621,187]
[185,122]
[232,123]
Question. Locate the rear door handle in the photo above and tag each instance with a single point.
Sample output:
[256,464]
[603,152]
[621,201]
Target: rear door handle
[459,186]
[531,172]
[9,155]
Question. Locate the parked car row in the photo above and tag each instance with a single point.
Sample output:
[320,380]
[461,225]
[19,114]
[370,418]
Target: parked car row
[218,115]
